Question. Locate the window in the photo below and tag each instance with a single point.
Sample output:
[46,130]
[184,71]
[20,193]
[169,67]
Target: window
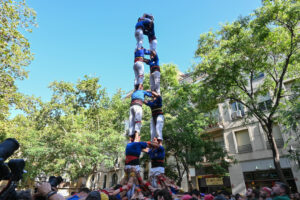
[237,110]
[277,136]
[265,105]
[243,141]
[114,179]
[220,141]
[104,182]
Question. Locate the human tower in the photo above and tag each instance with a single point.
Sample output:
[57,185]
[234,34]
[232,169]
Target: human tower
[133,186]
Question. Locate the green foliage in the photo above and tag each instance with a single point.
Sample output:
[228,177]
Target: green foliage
[290,111]
[15,54]
[185,134]
[289,115]
[232,57]
[77,132]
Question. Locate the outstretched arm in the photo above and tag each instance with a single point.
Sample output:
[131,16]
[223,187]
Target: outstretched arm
[149,94]
[153,144]
[155,94]
[146,150]
[147,61]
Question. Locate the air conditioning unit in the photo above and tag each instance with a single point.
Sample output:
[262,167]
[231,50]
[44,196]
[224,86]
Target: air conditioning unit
[236,115]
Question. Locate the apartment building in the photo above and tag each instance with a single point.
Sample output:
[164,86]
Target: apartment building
[247,143]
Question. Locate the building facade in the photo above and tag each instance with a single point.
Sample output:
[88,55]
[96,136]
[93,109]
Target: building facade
[246,141]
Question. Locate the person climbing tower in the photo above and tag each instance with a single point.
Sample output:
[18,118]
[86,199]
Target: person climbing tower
[145,26]
[154,72]
[138,66]
[157,120]
[136,111]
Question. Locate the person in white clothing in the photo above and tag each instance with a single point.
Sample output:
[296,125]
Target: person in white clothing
[157,120]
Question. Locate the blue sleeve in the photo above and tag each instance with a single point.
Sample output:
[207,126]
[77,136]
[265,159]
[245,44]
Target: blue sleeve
[150,103]
[143,145]
[147,52]
[151,62]
[138,24]
[149,94]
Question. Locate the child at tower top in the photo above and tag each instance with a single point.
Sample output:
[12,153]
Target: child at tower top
[145,26]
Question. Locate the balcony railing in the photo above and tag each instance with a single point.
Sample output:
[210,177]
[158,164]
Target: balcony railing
[245,148]
[215,124]
[279,143]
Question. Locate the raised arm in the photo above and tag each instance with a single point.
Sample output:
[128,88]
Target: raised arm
[147,52]
[147,61]
[149,94]
[155,94]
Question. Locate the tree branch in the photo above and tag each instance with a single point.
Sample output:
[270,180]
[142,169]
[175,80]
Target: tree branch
[251,82]
[277,92]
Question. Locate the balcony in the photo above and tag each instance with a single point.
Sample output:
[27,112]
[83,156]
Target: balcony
[215,123]
[214,127]
[245,148]
[279,143]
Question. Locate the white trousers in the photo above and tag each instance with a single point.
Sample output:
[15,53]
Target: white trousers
[136,167]
[154,172]
[153,45]
[138,68]
[156,128]
[139,36]
[155,81]
[135,119]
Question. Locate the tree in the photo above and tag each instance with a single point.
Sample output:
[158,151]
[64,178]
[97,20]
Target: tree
[75,133]
[232,58]
[184,128]
[15,17]
[186,138]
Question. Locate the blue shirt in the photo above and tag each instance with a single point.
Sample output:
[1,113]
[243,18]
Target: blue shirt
[140,94]
[148,28]
[154,61]
[141,52]
[143,24]
[135,148]
[156,103]
[149,31]
[157,154]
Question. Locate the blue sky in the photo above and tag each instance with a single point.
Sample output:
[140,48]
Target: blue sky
[96,37]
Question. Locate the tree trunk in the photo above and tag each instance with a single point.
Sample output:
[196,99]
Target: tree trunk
[179,172]
[189,180]
[276,156]
[188,177]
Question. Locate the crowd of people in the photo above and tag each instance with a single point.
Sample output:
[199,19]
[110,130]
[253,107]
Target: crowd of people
[279,191]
